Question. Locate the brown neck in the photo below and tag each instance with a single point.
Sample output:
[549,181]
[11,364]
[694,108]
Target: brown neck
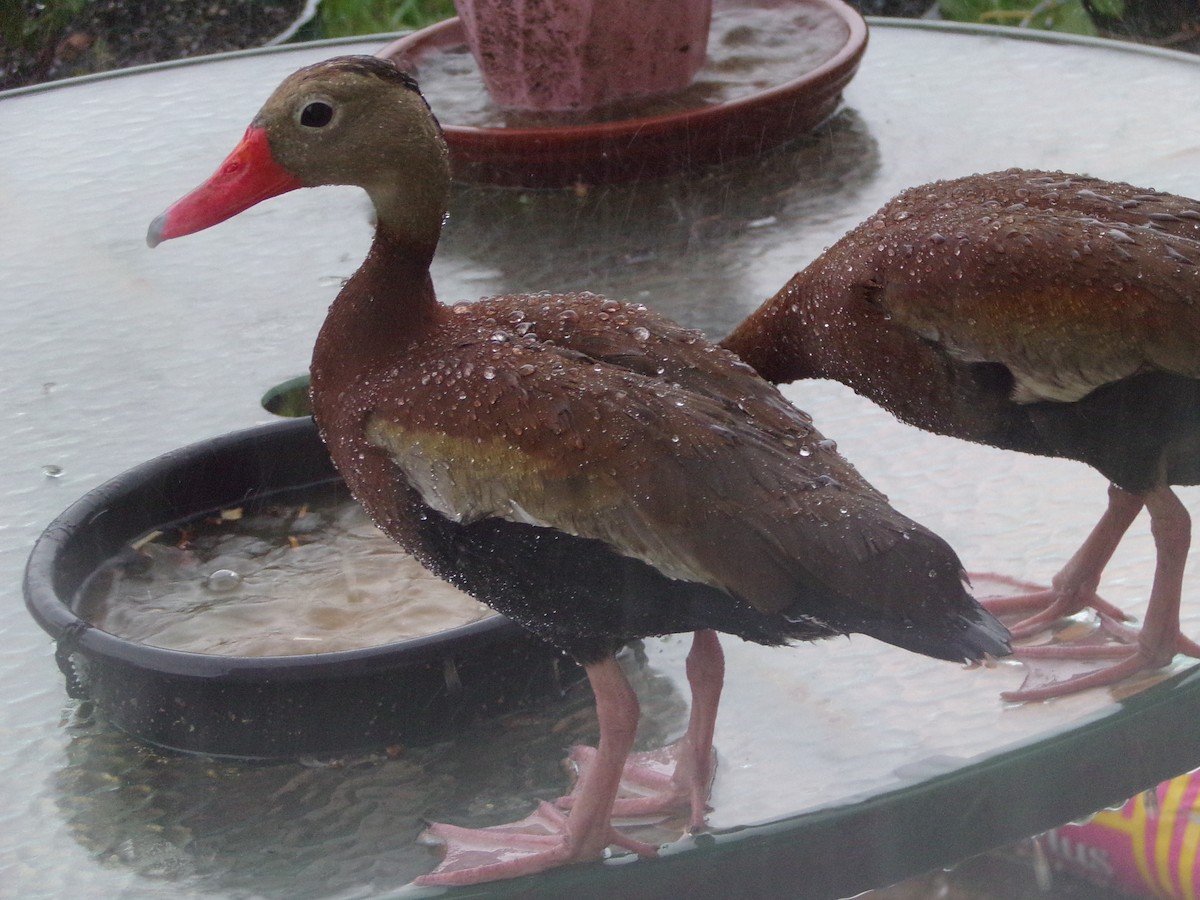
[821,326]
[818,328]
[772,339]
[386,306]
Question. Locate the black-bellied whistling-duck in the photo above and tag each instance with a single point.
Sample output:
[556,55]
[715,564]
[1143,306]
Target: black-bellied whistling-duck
[1035,311]
[582,465]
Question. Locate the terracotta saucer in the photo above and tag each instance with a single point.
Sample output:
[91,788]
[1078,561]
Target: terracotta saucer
[657,137]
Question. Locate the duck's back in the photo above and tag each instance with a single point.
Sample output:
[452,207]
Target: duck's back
[1027,310]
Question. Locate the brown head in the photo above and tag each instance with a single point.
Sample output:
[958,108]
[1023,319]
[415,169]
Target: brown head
[354,120]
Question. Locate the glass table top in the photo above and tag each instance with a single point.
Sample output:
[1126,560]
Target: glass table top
[843,765]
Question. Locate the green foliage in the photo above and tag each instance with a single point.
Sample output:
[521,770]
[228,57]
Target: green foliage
[35,27]
[344,18]
[1048,15]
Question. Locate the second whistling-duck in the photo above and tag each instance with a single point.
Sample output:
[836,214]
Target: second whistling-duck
[1037,311]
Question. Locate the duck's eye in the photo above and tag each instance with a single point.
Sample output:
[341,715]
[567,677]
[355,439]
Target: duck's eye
[317,114]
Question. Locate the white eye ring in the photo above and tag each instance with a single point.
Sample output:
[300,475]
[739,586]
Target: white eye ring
[316,114]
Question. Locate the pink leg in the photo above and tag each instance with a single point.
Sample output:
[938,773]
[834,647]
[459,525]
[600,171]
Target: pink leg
[679,775]
[706,676]
[1074,588]
[547,838]
[1160,639]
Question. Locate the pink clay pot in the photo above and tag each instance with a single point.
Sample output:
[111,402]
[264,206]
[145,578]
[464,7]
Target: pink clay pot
[574,55]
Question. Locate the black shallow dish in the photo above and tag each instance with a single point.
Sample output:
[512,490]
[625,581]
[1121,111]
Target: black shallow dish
[409,692]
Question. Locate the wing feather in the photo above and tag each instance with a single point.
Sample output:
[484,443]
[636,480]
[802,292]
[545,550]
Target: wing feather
[650,439]
[1069,296]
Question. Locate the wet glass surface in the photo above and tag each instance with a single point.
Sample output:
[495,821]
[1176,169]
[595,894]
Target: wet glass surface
[113,353]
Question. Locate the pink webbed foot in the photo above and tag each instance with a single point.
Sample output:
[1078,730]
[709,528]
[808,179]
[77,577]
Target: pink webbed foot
[1028,609]
[1073,589]
[548,838]
[680,775]
[1059,669]
[540,841]
[655,783]
[1065,664]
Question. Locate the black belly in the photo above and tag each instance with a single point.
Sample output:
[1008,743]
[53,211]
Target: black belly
[579,594]
[1139,432]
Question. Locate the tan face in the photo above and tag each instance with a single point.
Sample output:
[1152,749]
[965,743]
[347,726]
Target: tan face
[353,122]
